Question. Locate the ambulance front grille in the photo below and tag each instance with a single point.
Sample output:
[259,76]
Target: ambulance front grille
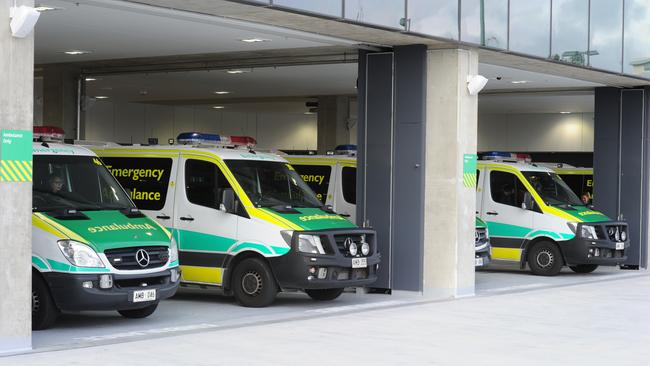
[127,258]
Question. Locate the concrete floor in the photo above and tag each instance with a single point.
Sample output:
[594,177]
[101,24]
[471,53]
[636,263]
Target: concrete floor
[523,317]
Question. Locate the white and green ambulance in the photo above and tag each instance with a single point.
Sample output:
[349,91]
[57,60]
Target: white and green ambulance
[92,249]
[534,218]
[334,180]
[244,220]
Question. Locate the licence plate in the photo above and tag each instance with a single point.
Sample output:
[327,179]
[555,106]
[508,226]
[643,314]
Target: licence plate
[478,262]
[144,295]
[359,262]
[620,246]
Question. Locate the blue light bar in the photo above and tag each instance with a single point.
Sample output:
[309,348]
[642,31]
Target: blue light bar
[346,148]
[197,137]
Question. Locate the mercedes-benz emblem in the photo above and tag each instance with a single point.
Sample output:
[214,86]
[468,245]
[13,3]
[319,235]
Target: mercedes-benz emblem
[142,257]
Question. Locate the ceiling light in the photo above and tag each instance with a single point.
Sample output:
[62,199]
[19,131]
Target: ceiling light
[76,52]
[519,81]
[91,79]
[565,112]
[255,40]
[101,97]
[221,92]
[218,107]
[237,71]
[43,8]
[309,113]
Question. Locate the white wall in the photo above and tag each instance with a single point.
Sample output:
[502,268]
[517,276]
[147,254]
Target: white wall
[536,132]
[135,123]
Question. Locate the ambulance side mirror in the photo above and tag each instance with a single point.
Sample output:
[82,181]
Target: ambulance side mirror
[227,201]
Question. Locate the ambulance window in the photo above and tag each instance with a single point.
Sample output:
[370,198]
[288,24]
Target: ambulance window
[506,188]
[204,183]
[145,179]
[317,178]
[349,184]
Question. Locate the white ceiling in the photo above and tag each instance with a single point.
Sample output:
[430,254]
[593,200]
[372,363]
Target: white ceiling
[117,29]
[113,29]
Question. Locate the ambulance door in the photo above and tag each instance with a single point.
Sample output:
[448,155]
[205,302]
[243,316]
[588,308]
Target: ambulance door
[149,181]
[345,194]
[206,232]
[501,209]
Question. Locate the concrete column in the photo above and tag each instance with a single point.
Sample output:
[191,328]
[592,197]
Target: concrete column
[333,129]
[60,98]
[16,113]
[450,206]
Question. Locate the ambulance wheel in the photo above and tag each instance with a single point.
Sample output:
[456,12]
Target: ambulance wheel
[253,283]
[44,311]
[138,313]
[584,268]
[545,259]
[325,294]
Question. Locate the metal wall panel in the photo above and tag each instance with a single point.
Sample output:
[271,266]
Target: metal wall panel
[607,117]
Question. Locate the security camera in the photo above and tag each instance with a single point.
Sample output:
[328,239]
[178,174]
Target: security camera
[23,20]
[476,83]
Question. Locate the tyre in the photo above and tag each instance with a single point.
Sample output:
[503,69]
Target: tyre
[584,268]
[138,313]
[253,283]
[325,294]
[44,311]
[545,259]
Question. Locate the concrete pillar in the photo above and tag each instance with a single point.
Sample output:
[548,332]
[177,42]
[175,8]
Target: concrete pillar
[16,111]
[60,97]
[450,206]
[333,126]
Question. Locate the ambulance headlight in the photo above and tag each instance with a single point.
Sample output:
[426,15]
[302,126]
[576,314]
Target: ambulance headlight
[173,251]
[588,232]
[79,254]
[310,244]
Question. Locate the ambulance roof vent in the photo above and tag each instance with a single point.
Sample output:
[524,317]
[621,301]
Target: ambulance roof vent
[506,156]
[210,139]
[48,134]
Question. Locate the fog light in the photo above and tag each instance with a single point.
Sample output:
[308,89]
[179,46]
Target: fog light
[87,284]
[175,275]
[322,273]
[623,236]
[353,249]
[105,281]
[312,270]
[365,249]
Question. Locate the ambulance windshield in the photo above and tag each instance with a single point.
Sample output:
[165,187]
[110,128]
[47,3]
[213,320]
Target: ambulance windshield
[270,184]
[552,189]
[75,182]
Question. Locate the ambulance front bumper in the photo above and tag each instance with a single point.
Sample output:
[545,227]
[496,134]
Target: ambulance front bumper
[72,291]
[601,251]
[336,269]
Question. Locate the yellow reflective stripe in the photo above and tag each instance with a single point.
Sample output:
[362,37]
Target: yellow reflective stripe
[27,166]
[3,175]
[208,275]
[67,232]
[559,213]
[574,171]
[273,218]
[16,171]
[40,224]
[8,171]
[506,254]
[22,170]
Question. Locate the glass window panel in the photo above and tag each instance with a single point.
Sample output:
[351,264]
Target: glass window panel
[530,24]
[388,13]
[637,38]
[434,17]
[329,7]
[494,24]
[570,35]
[606,38]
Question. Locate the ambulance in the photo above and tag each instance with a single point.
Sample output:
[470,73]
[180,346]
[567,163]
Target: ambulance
[535,219]
[92,249]
[333,178]
[579,179]
[244,220]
